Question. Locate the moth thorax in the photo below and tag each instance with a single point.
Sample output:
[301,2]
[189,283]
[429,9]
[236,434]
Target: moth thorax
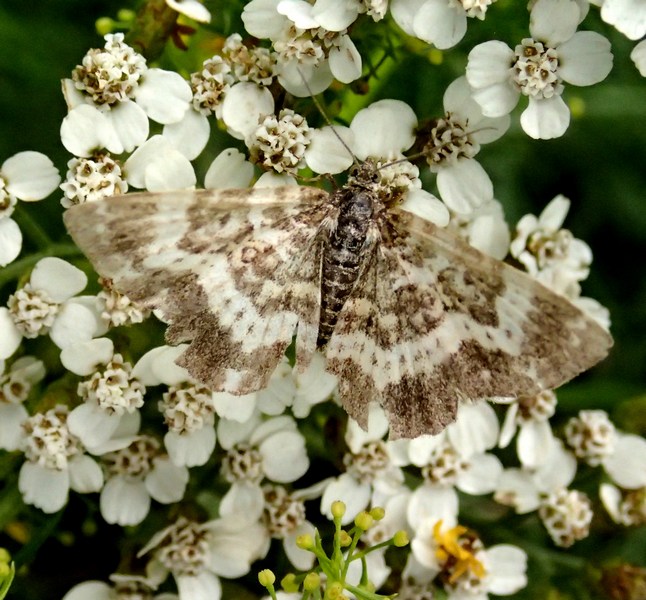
[342,255]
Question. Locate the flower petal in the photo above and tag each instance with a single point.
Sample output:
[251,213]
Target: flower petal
[30,176]
[166,482]
[60,279]
[554,21]
[242,107]
[46,489]
[585,59]
[326,153]
[124,501]
[164,95]
[10,241]
[230,169]
[192,9]
[546,118]
[464,185]
[82,358]
[130,123]
[189,135]
[440,23]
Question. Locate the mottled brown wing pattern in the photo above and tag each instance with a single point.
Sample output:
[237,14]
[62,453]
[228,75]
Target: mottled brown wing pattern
[433,320]
[231,271]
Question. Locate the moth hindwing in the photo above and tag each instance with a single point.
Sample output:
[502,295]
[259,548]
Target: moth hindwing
[407,314]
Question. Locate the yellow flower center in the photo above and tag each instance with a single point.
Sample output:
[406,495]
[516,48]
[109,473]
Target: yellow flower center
[456,552]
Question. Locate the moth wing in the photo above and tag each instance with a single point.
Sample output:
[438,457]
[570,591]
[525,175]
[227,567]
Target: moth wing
[231,271]
[434,320]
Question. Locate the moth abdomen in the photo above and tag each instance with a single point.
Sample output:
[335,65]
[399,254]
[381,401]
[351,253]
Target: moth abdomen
[343,256]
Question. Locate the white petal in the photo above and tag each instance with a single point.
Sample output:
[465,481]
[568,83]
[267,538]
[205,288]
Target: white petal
[166,482]
[230,169]
[298,12]
[326,153]
[404,11]
[300,559]
[585,59]
[164,95]
[489,65]
[85,130]
[345,61]
[475,429]
[490,235]
[384,129]
[189,135]
[203,586]
[74,324]
[30,175]
[12,416]
[611,498]
[46,489]
[91,424]
[60,279]
[235,408]
[557,471]
[355,495]
[243,498]
[273,179]
[262,19]
[628,16]
[190,450]
[497,100]
[553,215]
[157,166]
[440,23]
[243,106]
[90,590]
[535,442]
[638,56]
[165,366]
[82,358]
[304,80]
[517,489]
[554,21]
[130,123]
[334,15]
[124,502]
[420,449]
[356,437]
[464,185]
[230,433]
[10,241]
[431,503]
[192,9]
[545,119]
[506,568]
[627,464]
[86,475]
[284,457]
[426,206]
[482,475]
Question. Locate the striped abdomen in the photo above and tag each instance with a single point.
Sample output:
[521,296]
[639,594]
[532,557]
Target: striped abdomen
[342,257]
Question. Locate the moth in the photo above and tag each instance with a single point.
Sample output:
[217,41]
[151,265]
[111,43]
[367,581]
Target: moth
[407,314]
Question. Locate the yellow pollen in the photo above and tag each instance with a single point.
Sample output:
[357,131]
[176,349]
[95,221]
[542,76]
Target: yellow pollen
[455,553]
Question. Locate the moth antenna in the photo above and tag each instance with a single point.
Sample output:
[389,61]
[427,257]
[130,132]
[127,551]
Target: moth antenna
[318,105]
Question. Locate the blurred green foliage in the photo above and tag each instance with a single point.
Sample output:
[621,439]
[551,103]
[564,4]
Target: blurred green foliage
[600,164]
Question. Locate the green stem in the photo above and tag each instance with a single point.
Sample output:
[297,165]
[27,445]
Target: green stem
[32,230]
[18,268]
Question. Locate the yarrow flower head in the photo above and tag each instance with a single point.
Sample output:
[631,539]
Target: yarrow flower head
[136,474]
[254,64]
[54,462]
[537,68]
[90,179]
[566,515]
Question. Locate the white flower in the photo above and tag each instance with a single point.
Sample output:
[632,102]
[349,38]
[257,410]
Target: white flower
[15,386]
[46,305]
[468,569]
[451,143]
[243,107]
[188,407]
[90,179]
[484,228]
[625,464]
[537,68]
[26,176]
[523,489]
[442,23]
[112,396]
[136,474]
[549,253]
[116,80]
[628,16]
[531,414]
[309,56]
[55,462]
[197,553]
[566,515]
